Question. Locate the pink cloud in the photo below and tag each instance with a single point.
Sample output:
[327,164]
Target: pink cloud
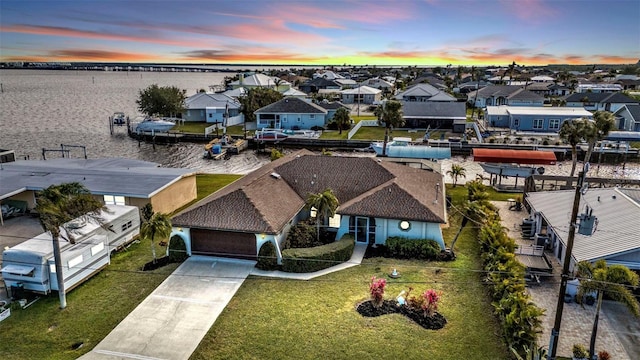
[530,10]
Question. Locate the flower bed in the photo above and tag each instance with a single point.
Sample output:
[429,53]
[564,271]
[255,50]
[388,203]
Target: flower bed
[433,322]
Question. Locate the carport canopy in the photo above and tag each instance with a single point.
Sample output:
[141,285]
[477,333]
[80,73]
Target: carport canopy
[514,156]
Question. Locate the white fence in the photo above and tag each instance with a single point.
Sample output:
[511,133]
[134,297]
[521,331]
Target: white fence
[362,123]
[234,120]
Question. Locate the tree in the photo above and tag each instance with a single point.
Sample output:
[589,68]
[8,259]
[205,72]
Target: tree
[597,130]
[325,204]
[342,118]
[475,75]
[158,225]
[610,280]
[161,101]
[455,172]
[57,205]
[571,132]
[254,100]
[390,113]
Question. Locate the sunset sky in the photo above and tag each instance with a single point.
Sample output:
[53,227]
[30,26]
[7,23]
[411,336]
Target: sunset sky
[374,32]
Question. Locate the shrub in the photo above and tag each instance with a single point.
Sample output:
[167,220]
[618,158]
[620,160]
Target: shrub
[603,355]
[177,249]
[317,258]
[267,257]
[579,351]
[427,301]
[403,248]
[376,289]
[317,128]
[276,154]
[302,235]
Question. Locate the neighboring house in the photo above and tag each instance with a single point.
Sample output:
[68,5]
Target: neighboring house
[327,74]
[472,86]
[629,84]
[236,93]
[541,88]
[598,88]
[316,84]
[434,114]
[361,95]
[391,200]
[542,79]
[212,108]
[295,93]
[112,181]
[536,119]
[291,113]
[331,107]
[628,117]
[612,237]
[599,101]
[261,80]
[378,83]
[559,90]
[424,92]
[511,95]
[346,83]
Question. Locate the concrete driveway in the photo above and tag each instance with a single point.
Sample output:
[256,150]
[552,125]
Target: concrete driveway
[170,323]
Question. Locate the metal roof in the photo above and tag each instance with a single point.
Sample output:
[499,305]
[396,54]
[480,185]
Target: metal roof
[514,156]
[124,177]
[548,111]
[618,226]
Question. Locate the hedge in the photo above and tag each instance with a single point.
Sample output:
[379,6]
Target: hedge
[267,257]
[306,260]
[403,248]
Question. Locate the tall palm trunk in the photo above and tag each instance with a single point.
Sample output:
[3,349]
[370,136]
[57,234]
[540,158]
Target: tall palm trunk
[465,220]
[153,246]
[386,140]
[59,276]
[594,331]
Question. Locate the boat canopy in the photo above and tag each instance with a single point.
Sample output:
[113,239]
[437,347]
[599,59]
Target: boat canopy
[514,156]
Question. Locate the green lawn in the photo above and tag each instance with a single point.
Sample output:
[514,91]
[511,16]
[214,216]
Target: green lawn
[192,127]
[43,331]
[286,319]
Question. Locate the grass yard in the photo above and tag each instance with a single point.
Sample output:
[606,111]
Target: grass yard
[43,331]
[286,319]
[191,127]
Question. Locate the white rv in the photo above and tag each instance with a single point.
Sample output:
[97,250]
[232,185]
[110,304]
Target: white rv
[30,265]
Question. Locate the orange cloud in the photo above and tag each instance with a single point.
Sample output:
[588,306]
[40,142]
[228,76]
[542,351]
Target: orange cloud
[84,34]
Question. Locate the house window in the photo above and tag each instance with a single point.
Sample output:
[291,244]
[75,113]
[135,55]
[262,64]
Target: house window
[96,249]
[516,122]
[538,124]
[298,119]
[113,200]
[334,221]
[284,120]
[210,115]
[312,116]
[554,124]
[404,225]
[75,261]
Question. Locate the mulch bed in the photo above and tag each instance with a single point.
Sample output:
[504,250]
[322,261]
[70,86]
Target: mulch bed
[435,322]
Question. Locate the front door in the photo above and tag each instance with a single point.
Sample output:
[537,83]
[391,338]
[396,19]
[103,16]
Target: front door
[362,229]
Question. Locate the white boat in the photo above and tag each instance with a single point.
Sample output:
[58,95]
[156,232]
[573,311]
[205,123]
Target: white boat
[402,147]
[272,135]
[155,125]
[518,170]
[119,119]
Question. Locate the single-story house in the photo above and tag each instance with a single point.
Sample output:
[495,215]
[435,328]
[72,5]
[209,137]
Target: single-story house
[599,101]
[361,95]
[291,113]
[424,92]
[512,95]
[598,88]
[331,107]
[212,108]
[537,119]
[295,92]
[261,80]
[316,84]
[607,228]
[391,200]
[378,83]
[112,181]
[434,114]
[628,117]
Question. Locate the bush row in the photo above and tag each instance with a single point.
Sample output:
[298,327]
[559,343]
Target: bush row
[317,258]
[403,248]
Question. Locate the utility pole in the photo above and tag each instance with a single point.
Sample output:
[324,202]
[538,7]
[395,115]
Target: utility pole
[555,332]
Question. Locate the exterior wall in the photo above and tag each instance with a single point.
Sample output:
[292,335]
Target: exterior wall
[498,121]
[214,115]
[196,115]
[525,103]
[527,122]
[185,234]
[630,260]
[288,121]
[176,195]
[386,228]
[27,196]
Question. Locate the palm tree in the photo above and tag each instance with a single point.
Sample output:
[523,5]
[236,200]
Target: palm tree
[325,204]
[456,170]
[342,118]
[476,75]
[611,280]
[391,114]
[56,206]
[571,132]
[603,123]
[158,225]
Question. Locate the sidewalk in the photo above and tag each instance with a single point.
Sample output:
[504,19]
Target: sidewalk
[355,260]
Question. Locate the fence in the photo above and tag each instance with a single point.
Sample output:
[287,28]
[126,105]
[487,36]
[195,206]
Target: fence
[361,124]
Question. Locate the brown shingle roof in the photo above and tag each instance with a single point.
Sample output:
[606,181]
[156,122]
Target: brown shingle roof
[262,203]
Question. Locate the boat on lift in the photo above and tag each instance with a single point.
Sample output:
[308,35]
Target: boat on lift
[154,125]
[518,163]
[119,119]
[270,135]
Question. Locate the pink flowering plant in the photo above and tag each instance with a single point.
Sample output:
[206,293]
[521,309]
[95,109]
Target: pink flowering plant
[376,288]
[431,300]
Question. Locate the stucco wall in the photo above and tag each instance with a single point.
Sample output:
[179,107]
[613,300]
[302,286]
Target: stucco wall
[176,195]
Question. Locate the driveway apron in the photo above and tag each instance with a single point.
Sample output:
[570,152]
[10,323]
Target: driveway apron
[170,323]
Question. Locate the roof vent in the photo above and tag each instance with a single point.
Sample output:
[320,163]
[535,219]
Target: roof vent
[275,175]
